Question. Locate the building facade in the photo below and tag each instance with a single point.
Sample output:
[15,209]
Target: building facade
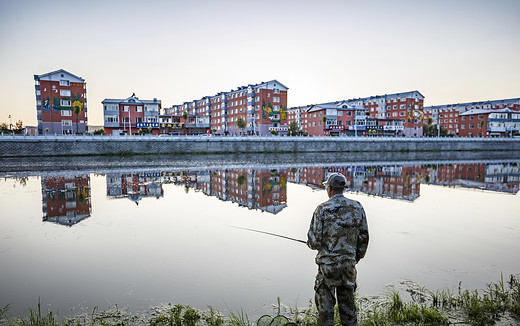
[489,123]
[131,116]
[258,109]
[382,115]
[61,103]
[449,117]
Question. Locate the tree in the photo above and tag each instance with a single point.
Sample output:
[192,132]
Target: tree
[481,124]
[431,131]
[241,180]
[294,129]
[77,107]
[185,115]
[274,132]
[4,127]
[19,127]
[324,119]
[241,123]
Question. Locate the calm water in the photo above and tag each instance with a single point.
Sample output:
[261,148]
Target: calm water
[144,232]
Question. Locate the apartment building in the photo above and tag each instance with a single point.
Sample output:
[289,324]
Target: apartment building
[262,108]
[489,123]
[131,116]
[390,115]
[58,95]
[449,117]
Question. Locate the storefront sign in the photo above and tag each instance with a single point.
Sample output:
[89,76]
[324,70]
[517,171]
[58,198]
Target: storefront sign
[147,124]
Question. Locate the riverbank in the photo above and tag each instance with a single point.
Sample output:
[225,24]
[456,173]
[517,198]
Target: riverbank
[24,146]
[498,305]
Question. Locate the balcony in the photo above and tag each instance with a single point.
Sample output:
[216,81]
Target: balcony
[111,124]
[197,125]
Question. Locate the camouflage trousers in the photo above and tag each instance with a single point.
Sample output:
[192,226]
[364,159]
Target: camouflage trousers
[339,278]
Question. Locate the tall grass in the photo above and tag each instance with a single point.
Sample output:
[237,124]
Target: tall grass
[498,302]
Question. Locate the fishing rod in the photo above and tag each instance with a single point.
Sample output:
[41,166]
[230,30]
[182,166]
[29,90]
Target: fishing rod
[269,233]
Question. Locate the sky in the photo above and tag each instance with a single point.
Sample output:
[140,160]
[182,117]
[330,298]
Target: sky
[452,51]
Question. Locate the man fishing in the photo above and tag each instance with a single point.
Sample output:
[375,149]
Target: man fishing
[339,232]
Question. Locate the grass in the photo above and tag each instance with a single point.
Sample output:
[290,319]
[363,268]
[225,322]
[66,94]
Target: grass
[498,302]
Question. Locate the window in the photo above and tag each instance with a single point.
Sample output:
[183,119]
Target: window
[64,82]
[126,119]
[138,109]
[126,108]
[65,102]
[111,119]
[276,91]
[66,113]
[64,92]
[471,125]
[66,123]
[276,99]
[138,120]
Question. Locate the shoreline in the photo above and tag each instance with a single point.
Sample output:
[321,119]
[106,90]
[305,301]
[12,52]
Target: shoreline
[75,145]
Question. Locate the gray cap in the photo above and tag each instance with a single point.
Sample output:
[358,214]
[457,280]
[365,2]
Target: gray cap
[336,180]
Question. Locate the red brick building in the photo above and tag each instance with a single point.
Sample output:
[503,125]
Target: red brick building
[262,107]
[449,117]
[489,123]
[57,94]
[66,200]
[131,116]
[390,115]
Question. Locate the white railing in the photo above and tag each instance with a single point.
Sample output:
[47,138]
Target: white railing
[247,137]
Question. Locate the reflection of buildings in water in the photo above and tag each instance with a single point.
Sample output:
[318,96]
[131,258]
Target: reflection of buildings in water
[501,177]
[66,200]
[396,182]
[134,186]
[265,190]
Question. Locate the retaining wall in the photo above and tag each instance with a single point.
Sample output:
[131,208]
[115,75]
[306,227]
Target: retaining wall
[13,146]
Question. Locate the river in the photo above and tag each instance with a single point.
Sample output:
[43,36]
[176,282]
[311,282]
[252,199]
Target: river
[139,232]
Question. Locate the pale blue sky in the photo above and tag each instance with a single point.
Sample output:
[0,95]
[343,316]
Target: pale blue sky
[176,51]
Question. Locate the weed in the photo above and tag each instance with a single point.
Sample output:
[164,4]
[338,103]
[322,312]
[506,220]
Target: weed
[240,319]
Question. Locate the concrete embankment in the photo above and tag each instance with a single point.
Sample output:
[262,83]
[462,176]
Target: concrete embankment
[19,146]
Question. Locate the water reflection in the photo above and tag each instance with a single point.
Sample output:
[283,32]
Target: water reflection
[134,186]
[266,189]
[180,248]
[66,200]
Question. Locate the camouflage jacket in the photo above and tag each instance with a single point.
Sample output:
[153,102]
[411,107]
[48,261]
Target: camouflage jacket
[339,231]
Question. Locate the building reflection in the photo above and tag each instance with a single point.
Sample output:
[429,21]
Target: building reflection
[396,182]
[500,177]
[265,189]
[134,186]
[66,200]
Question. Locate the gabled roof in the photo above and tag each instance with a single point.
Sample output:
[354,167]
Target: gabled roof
[60,71]
[132,100]
[485,111]
[479,103]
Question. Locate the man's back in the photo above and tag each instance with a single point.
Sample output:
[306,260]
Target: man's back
[338,231]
